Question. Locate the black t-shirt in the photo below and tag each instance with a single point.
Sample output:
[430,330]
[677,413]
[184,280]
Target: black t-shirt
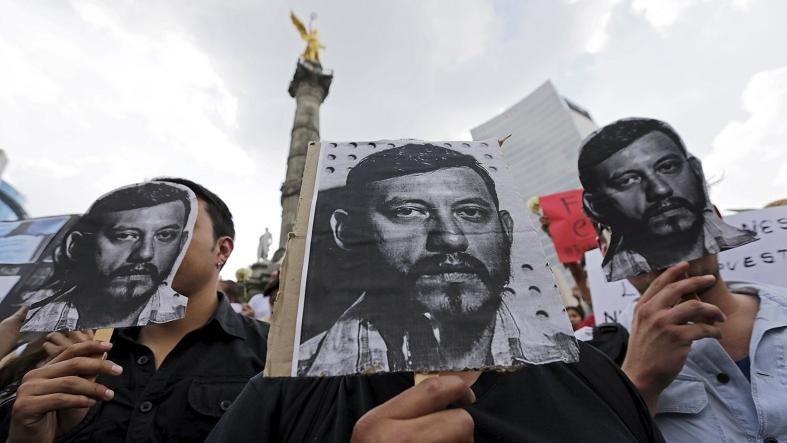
[184,398]
[589,401]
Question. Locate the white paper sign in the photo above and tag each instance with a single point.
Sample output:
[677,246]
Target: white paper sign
[609,298]
[763,261]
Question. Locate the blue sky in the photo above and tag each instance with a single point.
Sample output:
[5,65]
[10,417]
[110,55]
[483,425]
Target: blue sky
[95,95]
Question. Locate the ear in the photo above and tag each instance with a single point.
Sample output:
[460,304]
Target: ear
[339,220]
[74,246]
[224,247]
[591,207]
[508,225]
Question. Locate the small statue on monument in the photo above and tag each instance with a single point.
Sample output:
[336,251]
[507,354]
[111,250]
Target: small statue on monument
[313,44]
[266,240]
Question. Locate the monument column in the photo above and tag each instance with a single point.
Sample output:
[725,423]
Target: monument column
[309,87]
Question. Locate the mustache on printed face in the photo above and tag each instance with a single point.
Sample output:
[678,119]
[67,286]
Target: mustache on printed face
[668,204]
[456,262]
[136,269]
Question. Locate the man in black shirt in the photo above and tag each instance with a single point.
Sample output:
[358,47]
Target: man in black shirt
[160,382]
[587,401]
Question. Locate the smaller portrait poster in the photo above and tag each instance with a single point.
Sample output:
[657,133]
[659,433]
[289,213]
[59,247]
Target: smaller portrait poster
[640,180]
[420,256]
[111,267]
[763,261]
[571,230]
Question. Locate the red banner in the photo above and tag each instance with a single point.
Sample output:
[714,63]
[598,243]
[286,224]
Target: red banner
[571,230]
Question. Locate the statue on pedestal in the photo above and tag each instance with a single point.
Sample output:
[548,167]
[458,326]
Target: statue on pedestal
[313,44]
[266,240]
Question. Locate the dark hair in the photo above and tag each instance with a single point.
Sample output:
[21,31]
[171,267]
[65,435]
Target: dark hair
[231,290]
[603,143]
[414,159]
[219,213]
[579,310]
[143,195]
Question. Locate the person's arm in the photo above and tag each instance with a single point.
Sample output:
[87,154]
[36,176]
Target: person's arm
[663,330]
[54,398]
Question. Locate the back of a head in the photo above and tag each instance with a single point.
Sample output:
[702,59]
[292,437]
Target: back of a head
[231,290]
[612,138]
[219,213]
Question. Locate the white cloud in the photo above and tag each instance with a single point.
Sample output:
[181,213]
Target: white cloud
[751,154]
[661,13]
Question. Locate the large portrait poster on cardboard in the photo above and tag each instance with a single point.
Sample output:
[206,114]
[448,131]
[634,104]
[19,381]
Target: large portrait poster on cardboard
[420,257]
[111,267]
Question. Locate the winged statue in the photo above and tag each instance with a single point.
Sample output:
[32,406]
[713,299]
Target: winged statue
[313,44]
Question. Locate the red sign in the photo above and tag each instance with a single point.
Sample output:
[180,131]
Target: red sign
[571,230]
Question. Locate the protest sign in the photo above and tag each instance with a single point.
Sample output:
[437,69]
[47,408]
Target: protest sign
[640,181]
[413,256]
[762,261]
[609,298]
[112,267]
[570,229]
[26,248]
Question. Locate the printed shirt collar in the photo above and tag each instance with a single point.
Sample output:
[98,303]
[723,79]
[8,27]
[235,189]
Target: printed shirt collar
[717,235]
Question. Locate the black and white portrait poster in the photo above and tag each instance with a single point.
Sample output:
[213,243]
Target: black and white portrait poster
[26,256]
[420,257]
[642,183]
[115,265]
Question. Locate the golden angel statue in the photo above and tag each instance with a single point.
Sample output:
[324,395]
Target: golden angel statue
[313,44]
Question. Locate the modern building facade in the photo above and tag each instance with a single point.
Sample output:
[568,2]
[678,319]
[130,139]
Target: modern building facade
[542,152]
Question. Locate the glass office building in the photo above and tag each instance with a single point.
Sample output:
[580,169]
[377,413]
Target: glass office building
[546,130]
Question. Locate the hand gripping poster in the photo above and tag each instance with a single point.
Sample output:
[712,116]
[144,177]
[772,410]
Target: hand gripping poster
[112,266]
[642,183]
[418,256]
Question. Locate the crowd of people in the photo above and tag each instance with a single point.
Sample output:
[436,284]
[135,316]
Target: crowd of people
[694,359]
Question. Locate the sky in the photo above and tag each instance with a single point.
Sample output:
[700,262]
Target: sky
[95,95]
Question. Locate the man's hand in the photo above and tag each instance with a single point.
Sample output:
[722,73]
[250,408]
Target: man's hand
[57,342]
[247,310]
[663,330]
[9,330]
[53,399]
[420,414]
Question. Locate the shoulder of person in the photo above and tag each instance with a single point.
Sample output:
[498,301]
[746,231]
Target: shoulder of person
[255,329]
[321,409]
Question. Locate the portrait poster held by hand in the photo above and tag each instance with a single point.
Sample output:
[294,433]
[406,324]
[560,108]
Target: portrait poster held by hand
[641,182]
[114,266]
[413,256]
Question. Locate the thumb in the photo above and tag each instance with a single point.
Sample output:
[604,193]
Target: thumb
[20,313]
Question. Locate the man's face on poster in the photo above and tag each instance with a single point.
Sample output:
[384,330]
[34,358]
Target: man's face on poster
[650,189]
[136,249]
[440,237]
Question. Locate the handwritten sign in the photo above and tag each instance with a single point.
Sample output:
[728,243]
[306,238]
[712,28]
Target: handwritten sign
[571,231]
[609,298]
[763,261]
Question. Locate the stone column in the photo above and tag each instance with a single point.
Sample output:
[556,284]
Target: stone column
[309,87]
